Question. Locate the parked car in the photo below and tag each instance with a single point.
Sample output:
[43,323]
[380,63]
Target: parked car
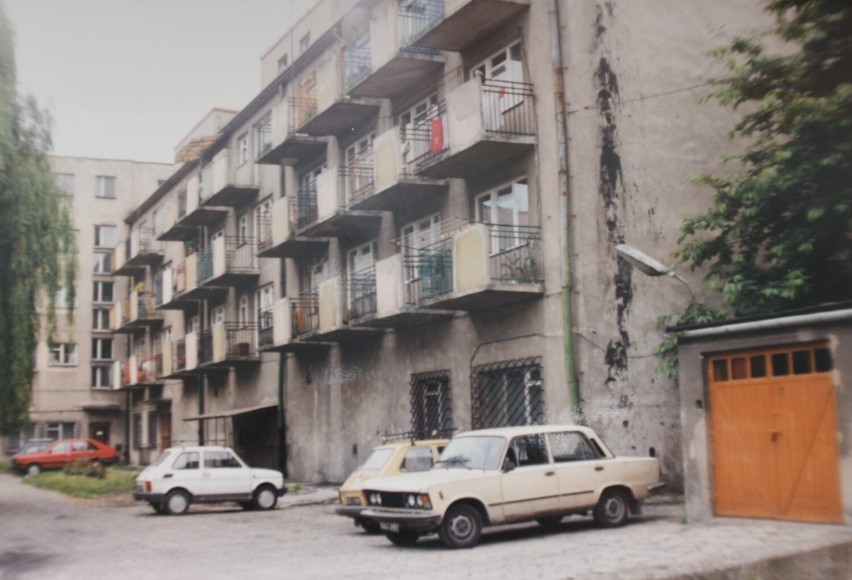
[388,459]
[64,452]
[181,476]
[512,474]
[32,446]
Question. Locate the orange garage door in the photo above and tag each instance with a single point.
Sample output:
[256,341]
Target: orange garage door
[774,435]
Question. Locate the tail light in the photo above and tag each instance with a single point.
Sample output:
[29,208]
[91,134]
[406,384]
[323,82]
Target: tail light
[147,487]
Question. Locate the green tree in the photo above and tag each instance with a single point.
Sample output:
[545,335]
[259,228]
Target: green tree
[778,232]
[37,240]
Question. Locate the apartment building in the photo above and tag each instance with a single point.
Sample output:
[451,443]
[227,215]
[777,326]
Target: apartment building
[74,386]
[399,233]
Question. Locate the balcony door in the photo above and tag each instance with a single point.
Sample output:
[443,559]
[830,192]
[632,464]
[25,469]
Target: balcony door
[361,279]
[358,168]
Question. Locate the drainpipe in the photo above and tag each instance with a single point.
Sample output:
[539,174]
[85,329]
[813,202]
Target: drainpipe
[564,210]
[127,419]
[282,414]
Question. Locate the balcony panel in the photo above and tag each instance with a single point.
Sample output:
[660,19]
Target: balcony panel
[399,76]
[340,116]
[144,249]
[226,183]
[229,344]
[467,22]
[141,313]
[294,148]
[204,216]
[278,239]
[232,263]
[350,225]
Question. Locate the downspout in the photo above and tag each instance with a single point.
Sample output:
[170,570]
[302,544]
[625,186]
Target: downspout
[282,413]
[564,211]
[127,420]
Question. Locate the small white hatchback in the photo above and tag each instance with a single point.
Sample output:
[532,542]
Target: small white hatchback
[181,476]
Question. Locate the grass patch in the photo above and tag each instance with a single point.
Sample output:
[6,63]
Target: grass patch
[114,480]
[6,468]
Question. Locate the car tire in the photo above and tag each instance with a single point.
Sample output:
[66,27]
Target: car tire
[33,469]
[613,508]
[549,522]
[461,528]
[405,538]
[176,502]
[264,498]
[369,526]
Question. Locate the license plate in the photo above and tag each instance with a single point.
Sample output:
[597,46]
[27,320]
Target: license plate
[389,526]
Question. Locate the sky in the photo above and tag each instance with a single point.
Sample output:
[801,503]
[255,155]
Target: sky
[128,79]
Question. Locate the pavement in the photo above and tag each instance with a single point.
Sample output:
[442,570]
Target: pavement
[718,549]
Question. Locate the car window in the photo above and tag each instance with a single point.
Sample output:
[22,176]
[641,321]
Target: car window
[161,458]
[61,448]
[474,452]
[377,459]
[417,459]
[528,450]
[220,459]
[571,447]
[186,461]
[81,446]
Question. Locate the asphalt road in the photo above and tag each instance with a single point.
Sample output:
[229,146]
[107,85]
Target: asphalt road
[44,535]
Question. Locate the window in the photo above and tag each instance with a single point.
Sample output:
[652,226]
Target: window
[194,324]
[415,114]
[153,428]
[220,459]
[507,393]
[105,236]
[528,450]
[571,447]
[61,299]
[159,220]
[187,461]
[100,319]
[263,135]
[304,43]
[243,311]
[65,182]
[359,167]
[59,430]
[102,349]
[62,354]
[283,62]
[242,229]
[105,186]
[102,292]
[103,262]
[431,406]
[415,237]
[217,315]
[417,459]
[505,65]
[508,205]
[102,377]
[242,148]
[263,221]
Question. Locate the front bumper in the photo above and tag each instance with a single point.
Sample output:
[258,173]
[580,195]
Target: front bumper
[420,521]
[350,511]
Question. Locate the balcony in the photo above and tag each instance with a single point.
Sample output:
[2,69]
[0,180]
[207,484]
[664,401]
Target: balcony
[174,211]
[226,182]
[182,357]
[381,63]
[395,184]
[138,313]
[480,266]
[278,239]
[284,326]
[288,147]
[330,315]
[321,106]
[232,261]
[196,213]
[322,212]
[481,125]
[170,290]
[141,249]
[188,286]
[141,371]
[229,344]
[464,23]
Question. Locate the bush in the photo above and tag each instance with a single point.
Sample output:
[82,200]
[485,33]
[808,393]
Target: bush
[83,467]
[114,481]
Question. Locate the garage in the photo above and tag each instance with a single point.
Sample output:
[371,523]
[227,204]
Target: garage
[773,421]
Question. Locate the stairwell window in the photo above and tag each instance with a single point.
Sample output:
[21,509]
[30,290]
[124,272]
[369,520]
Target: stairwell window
[102,349]
[62,354]
[105,186]
[103,292]
[102,377]
[105,236]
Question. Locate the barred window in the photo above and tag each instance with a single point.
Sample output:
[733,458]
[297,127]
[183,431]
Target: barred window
[431,404]
[507,393]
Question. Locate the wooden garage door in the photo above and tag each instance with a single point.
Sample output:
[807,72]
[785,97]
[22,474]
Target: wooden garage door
[774,435]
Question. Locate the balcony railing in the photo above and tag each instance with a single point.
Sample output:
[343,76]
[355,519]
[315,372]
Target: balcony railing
[265,326]
[265,238]
[205,264]
[158,290]
[358,60]
[427,140]
[508,107]
[429,272]
[515,254]
[304,208]
[361,292]
[417,17]
[240,342]
[358,178]
[181,204]
[305,318]
[179,355]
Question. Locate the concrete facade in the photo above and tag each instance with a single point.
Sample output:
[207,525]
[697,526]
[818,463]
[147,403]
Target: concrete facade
[402,181]
[73,391]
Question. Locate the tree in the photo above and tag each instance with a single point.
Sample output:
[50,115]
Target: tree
[37,240]
[777,234]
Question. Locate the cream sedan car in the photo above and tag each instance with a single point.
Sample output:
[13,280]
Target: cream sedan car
[498,476]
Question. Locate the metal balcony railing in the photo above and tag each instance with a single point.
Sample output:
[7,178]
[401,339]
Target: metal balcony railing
[425,141]
[428,271]
[205,265]
[181,204]
[358,178]
[147,237]
[508,107]
[304,103]
[305,316]
[239,342]
[304,208]
[240,255]
[515,253]
[265,327]
[158,290]
[361,292]
[358,62]
[179,354]
[146,306]
[264,238]
[417,17]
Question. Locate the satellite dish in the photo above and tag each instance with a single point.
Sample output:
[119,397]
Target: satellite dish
[355,23]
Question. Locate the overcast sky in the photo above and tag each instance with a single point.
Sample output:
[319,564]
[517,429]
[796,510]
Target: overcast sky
[128,79]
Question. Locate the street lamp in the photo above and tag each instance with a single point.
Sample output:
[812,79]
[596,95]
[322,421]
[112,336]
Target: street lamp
[648,265]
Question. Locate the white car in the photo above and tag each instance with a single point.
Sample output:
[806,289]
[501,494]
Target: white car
[511,474]
[181,476]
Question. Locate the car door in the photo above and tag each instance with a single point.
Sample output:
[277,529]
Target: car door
[580,467]
[224,476]
[186,473]
[82,449]
[531,488]
[59,455]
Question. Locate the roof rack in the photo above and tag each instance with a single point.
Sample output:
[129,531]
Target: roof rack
[419,435]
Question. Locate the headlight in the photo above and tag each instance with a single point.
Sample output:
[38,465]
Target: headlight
[411,501]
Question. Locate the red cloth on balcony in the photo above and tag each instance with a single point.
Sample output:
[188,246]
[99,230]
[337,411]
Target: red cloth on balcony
[437,140]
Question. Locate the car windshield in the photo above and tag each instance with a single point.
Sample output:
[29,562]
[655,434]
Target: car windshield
[161,457]
[480,452]
[377,459]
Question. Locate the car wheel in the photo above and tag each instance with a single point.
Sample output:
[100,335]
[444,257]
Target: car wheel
[176,503]
[406,538]
[612,509]
[461,528]
[33,469]
[549,522]
[264,498]
[369,526]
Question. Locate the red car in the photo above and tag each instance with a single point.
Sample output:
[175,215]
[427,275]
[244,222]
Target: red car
[64,452]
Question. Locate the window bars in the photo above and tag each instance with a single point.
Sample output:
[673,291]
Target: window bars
[431,404]
[507,393]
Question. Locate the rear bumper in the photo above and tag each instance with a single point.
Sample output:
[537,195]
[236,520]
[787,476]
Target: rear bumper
[149,497]
[655,487]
